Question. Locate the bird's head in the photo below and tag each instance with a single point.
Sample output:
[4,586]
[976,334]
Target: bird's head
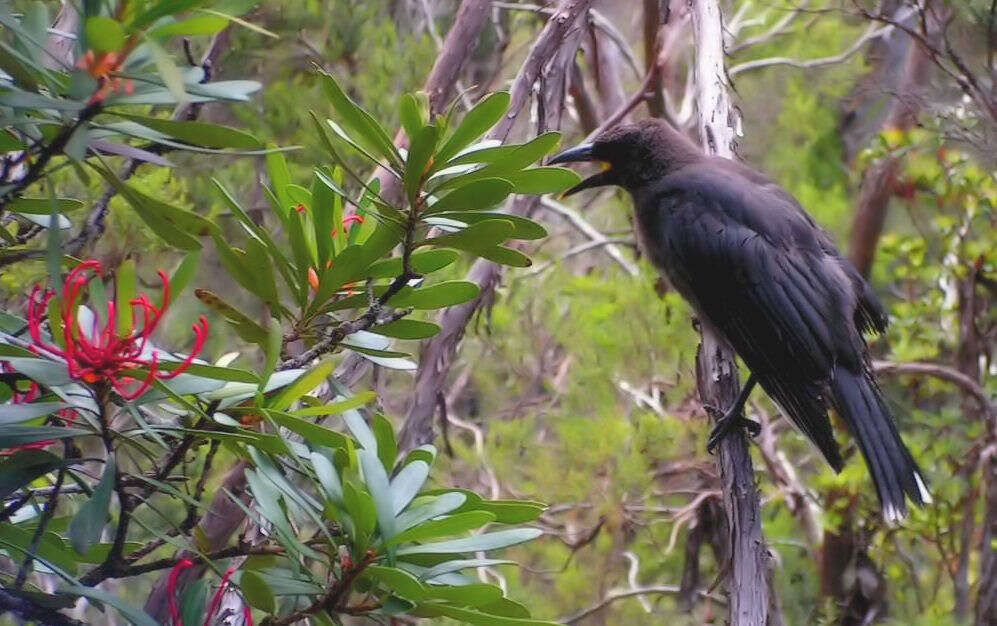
[632,155]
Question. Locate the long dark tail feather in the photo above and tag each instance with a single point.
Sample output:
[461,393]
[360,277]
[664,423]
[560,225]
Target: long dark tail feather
[893,469]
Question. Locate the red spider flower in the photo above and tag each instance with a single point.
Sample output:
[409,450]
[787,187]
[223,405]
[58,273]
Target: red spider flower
[101,354]
[351,219]
[171,590]
[216,600]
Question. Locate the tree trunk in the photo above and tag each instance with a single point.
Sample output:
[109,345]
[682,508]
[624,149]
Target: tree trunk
[716,370]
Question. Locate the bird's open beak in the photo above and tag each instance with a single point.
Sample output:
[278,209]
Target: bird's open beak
[578,154]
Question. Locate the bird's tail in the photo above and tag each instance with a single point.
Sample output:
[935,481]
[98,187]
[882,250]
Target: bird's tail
[894,472]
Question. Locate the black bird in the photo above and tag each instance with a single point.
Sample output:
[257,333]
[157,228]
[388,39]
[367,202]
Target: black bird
[757,268]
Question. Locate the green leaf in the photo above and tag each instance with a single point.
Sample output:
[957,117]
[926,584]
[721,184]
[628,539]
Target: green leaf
[419,155]
[387,446]
[449,567]
[124,291]
[511,162]
[523,228]
[335,408]
[505,256]
[89,521]
[24,466]
[257,592]
[477,594]
[541,180]
[479,194]
[43,206]
[437,296]
[168,71]
[305,383]
[359,121]
[399,581]
[198,25]
[423,262]
[199,133]
[468,616]
[481,236]
[376,480]
[360,505]
[476,123]
[214,372]
[487,541]
[444,527]
[18,413]
[407,484]
[410,114]
[327,476]
[193,599]
[407,329]
[105,34]
[11,436]
[436,506]
[245,327]
[260,266]
[345,266]
[312,433]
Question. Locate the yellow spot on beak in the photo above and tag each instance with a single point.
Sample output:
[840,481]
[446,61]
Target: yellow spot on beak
[605,166]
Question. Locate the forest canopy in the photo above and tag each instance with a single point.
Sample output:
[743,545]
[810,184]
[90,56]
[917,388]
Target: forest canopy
[297,325]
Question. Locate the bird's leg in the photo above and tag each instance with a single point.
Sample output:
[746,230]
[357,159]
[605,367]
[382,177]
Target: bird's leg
[733,418]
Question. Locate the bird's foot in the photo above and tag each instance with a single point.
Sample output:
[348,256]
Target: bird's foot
[727,423]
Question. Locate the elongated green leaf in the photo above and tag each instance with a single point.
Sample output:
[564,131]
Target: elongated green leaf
[399,581]
[407,484]
[514,161]
[360,505]
[419,155]
[449,567]
[488,541]
[311,432]
[444,527]
[479,194]
[43,206]
[437,296]
[469,616]
[523,228]
[436,506]
[407,329]
[105,34]
[476,123]
[473,595]
[423,262]
[481,236]
[243,325]
[376,480]
[89,521]
[359,121]
[540,180]
[410,115]
[18,413]
[199,133]
[335,408]
[305,383]
[257,592]
[11,436]
[24,466]
[505,256]
[327,476]
[197,25]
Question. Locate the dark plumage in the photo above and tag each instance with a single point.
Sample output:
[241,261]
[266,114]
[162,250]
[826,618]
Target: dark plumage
[755,266]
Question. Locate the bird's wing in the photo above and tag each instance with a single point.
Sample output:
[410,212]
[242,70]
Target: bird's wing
[753,267]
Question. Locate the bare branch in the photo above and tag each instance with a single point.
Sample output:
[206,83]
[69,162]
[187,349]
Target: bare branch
[869,35]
